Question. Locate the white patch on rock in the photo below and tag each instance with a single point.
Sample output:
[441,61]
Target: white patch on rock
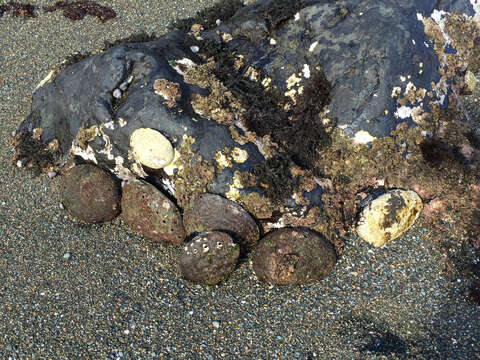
[185,62]
[313,46]
[363,137]
[306,71]
[109,125]
[169,186]
[403,112]
[87,154]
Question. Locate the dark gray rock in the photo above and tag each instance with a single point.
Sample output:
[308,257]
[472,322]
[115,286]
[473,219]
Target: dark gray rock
[364,49]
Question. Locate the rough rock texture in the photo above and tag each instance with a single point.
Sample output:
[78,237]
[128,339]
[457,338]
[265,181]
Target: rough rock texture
[293,256]
[90,194]
[262,108]
[388,216]
[209,258]
[150,213]
[213,212]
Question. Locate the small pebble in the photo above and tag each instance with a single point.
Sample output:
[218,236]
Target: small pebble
[67,256]
[61,206]
[216,324]
[52,174]
[194,49]
[117,93]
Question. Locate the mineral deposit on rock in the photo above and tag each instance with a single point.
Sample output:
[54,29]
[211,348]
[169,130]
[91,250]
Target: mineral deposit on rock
[209,257]
[293,256]
[389,216]
[90,194]
[213,212]
[150,213]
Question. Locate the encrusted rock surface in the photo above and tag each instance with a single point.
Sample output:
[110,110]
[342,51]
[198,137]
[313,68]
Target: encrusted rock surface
[285,108]
[209,258]
[388,216]
[212,212]
[293,256]
[150,213]
[90,194]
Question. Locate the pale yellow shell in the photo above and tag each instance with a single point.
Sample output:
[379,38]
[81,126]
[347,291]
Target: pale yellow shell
[389,216]
[151,148]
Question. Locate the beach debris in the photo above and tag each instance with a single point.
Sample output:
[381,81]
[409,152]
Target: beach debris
[293,256]
[147,211]
[209,258]
[213,212]
[90,194]
[388,216]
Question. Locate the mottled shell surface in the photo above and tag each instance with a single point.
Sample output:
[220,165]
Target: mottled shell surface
[293,256]
[90,194]
[388,216]
[209,258]
[147,211]
[151,148]
[213,212]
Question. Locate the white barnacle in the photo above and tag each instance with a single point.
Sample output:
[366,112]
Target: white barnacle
[205,248]
[195,251]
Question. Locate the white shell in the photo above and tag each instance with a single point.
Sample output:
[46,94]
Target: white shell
[151,148]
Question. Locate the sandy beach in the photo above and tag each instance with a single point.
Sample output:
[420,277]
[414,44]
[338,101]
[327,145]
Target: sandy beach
[74,291]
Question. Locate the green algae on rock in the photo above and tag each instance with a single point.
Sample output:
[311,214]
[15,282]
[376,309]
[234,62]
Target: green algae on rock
[209,258]
[388,216]
[147,211]
[213,212]
[90,194]
[293,256]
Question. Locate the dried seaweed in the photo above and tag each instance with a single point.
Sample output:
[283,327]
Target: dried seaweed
[18,9]
[77,10]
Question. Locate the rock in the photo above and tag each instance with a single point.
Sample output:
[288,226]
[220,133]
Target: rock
[280,92]
[388,216]
[90,194]
[293,256]
[213,212]
[151,148]
[150,213]
[209,258]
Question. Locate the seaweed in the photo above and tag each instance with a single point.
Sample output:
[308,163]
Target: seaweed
[18,9]
[280,11]
[33,153]
[222,10]
[77,10]
[276,179]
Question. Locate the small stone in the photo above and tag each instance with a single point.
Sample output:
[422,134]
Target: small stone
[388,216]
[117,93]
[293,256]
[216,324]
[146,210]
[67,256]
[211,266]
[194,49]
[151,148]
[51,174]
[90,194]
